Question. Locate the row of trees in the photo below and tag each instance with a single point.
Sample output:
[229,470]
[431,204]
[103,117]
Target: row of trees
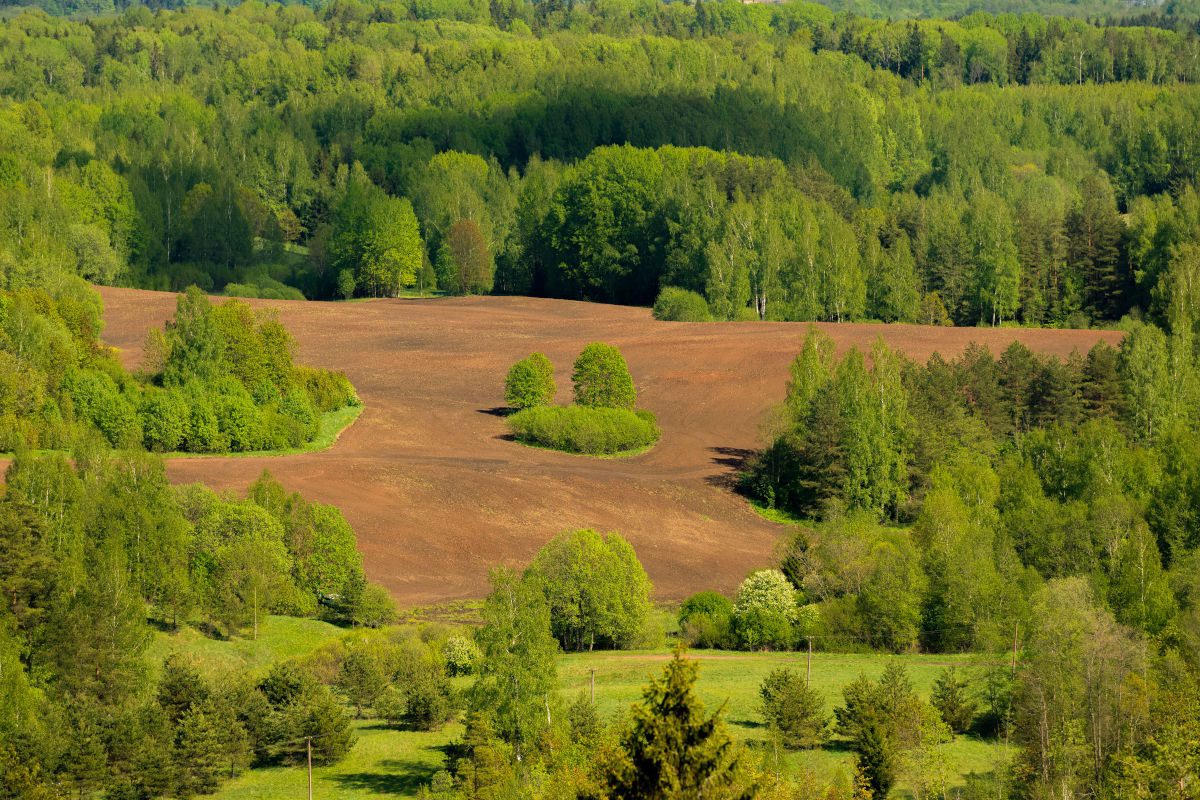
[364,149]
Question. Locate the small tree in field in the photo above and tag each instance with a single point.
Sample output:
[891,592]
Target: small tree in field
[530,382]
[602,379]
[793,709]
[953,701]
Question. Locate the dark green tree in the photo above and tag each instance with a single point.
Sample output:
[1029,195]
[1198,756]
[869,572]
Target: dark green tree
[672,748]
[951,697]
[793,709]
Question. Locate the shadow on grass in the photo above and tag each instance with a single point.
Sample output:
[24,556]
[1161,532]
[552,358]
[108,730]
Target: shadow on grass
[392,776]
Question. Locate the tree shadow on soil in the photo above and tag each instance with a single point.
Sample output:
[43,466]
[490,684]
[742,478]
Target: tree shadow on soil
[498,411]
[735,460]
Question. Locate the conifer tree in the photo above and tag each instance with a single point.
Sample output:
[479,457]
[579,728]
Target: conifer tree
[673,749]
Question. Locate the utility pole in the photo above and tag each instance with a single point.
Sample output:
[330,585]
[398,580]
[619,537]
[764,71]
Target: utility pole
[308,746]
[1016,627]
[808,677]
[593,686]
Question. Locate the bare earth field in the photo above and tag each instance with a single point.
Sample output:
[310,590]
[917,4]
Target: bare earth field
[438,495]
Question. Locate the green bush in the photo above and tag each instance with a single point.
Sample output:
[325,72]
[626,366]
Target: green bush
[164,416]
[238,420]
[202,433]
[530,382]
[98,400]
[706,620]
[297,408]
[602,379]
[328,391]
[680,305]
[582,429]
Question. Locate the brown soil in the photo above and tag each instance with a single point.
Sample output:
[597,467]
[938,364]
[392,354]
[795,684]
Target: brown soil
[438,495]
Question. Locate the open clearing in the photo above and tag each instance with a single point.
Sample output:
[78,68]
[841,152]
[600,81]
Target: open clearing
[438,494]
[398,762]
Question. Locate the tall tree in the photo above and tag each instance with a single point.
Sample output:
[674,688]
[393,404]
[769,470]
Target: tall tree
[517,675]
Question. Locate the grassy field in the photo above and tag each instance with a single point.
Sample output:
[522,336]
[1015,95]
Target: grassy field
[392,762]
[279,638]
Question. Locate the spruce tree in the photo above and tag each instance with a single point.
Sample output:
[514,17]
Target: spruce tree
[673,749]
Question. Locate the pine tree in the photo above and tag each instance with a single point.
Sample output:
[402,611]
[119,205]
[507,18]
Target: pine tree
[950,698]
[361,679]
[673,750]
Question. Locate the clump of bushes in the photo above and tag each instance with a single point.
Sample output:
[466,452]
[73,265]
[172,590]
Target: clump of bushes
[602,421]
[579,429]
[680,305]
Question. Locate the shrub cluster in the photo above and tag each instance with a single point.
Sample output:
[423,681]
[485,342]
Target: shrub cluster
[680,305]
[217,379]
[581,429]
[603,421]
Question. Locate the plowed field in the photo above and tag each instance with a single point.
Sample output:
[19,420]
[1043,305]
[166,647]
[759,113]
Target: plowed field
[437,493]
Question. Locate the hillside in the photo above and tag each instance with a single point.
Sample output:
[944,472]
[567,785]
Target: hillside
[438,495]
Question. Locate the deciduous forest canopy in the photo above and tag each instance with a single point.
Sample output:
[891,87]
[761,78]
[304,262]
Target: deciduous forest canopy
[785,161]
[721,161]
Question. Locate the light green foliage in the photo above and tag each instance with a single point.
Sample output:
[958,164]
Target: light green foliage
[346,284]
[601,378]
[376,238]
[461,655]
[680,305]
[764,611]
[517,672]
[530,382]
[1075,707]
[583,429]
[596,589]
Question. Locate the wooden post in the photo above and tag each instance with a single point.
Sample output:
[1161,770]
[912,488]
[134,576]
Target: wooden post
[308,746]
[593,686]
[808,677]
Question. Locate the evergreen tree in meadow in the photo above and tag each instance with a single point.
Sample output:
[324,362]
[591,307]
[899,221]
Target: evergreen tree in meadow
[672,748]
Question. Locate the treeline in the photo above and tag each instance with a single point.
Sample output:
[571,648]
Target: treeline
[1010,470]
[216,379]
[370,149]
[1045,508]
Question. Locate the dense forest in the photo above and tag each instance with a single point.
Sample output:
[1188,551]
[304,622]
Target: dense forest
[785,161]
[733,162]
